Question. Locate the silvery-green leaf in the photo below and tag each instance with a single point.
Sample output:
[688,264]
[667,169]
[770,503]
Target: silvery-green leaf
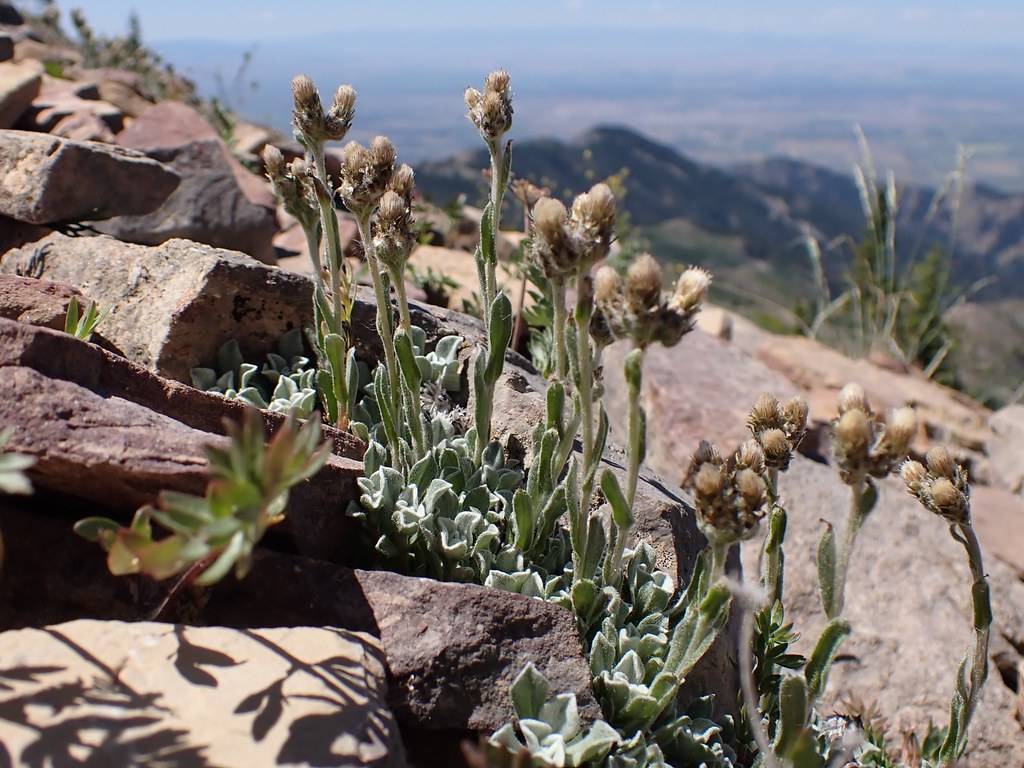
[506,737]
[529,692]
[562,714]
[203,378]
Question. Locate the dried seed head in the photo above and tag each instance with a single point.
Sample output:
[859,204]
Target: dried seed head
[852,397]
[948,500]
[914,475]
[900,431]
[472,97]
[751,456]
[383,153]
[392,208]
[691,289]
[643,284]
[273,161]
[766,414]
[304,93]
[365,173]
[777,449]
[607,285]
[403,183]
[941,463]
[392,231]
[298,167]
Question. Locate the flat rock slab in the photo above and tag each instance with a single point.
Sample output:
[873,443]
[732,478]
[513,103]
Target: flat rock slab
[1005,448]
[45,179]
[908,599]
[173,305]
[111,693]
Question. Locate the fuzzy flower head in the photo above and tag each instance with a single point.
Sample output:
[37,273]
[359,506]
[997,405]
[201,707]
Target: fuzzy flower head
[491,110]
[392,231]
[863,443]
[366,173]
[941,486]
[567,241]
[778,428]
[294,185]
[638,309]
[730,498]
[311,125]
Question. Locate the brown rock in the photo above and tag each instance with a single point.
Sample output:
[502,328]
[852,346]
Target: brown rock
[83,126]
[701,389]
[36,302]
[122,95]
[6,48]
[219,202]
[19,84]
[291,247]
[908,599]
[59,99]
[159,694]
[999,520]
[60,356]
[45,179]
[121,455]
[173,305]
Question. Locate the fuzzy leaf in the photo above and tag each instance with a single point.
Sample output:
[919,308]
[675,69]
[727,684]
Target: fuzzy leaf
[529,692]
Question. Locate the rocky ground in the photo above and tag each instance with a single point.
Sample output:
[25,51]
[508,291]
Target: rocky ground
[149,211]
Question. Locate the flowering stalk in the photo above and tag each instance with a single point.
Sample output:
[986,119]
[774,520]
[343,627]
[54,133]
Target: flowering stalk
[864,447]
[942,489]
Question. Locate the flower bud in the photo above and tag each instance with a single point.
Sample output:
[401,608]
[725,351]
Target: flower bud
[940,462]
[794,414]
[852,397]
[273,161]
[751,487]
[900,431]
[491,111]
[549,217]
[691,289]
[948,500]
[472,97]
[777,449]
[766,414]
[706,453]
[709,480]
[914,475]
[497,81]
[340,115]
[643,284]
[383,154]
[607,285]
[751,456]
[308,112]
[853,432]
[594,212]
[403,183]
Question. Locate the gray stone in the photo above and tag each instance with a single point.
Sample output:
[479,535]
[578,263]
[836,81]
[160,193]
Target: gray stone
[6,47]
[149,694]
[45,179]
[19,84]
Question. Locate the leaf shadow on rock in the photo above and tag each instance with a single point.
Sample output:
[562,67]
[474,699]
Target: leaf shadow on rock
[81,722]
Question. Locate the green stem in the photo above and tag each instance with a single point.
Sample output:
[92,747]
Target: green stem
[384,330]
[329,223]
[414,404]
[497,192]
[585,389]
[854,521]
[719,554]
[558,329]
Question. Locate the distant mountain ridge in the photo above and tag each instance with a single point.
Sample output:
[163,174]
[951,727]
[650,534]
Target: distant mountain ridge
[748,219]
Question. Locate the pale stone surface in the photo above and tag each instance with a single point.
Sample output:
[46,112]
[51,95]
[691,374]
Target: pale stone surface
[114,693]
[1006,448]
[45,179]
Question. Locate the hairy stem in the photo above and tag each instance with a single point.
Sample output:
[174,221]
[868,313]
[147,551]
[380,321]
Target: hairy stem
[750,698]
[852,526]
[585,388]
[384,329]
[558,329]
[413,402]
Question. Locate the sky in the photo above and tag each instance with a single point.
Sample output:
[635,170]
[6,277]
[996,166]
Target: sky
[724,80]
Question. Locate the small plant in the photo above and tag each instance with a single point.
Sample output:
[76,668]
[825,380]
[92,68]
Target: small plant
[284,384]
[13,479]
[436,286]
[81,326]
[211,534]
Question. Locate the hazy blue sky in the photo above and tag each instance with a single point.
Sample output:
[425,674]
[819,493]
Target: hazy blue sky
[944,22]
[723,80]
